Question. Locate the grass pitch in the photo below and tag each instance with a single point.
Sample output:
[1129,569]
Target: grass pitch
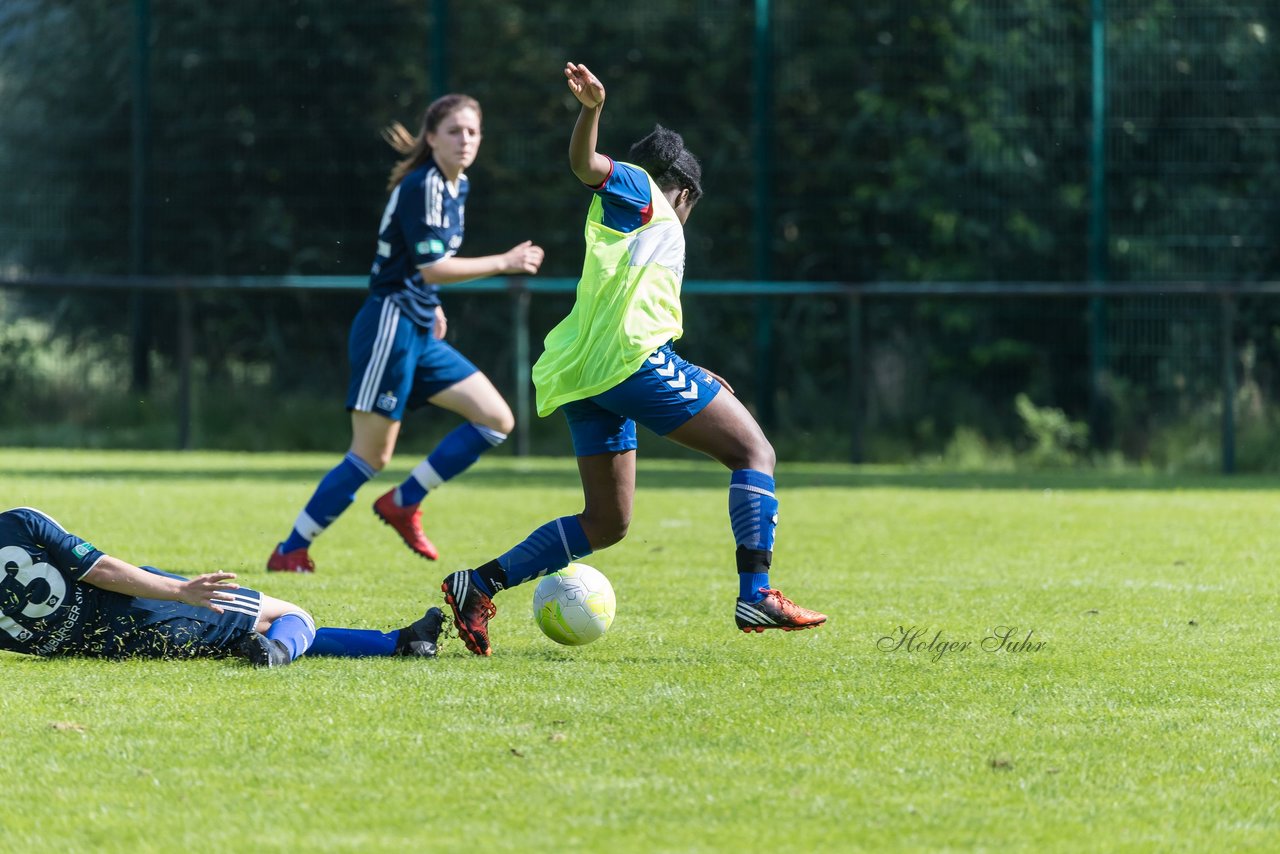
[1132,703]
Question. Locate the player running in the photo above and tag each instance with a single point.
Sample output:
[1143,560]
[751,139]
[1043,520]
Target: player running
[399,358]
[610,364]
[61,596]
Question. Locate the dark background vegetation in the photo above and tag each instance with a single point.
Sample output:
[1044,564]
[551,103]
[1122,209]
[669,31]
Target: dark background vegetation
[923,141]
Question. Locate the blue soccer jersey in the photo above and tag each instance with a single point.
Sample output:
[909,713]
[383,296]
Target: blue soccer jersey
[47,610]
[422,224]
[43,604]
[626,197]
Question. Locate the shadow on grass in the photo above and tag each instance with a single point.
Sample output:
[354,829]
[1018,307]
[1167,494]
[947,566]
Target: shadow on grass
[504,473]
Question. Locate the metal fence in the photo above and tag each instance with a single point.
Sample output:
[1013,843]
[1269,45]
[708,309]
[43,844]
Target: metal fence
[1182,360]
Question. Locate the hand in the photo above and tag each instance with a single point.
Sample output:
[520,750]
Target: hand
[205,591]
[441,326]
[720,380]
[584,85]
[525,258]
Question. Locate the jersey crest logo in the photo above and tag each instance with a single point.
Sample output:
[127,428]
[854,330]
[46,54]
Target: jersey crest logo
[387,401]
[82,549]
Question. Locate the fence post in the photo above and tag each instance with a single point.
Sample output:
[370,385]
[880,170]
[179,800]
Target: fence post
[139,195]
[520,300]
[186,349]
[438,47]
[1099,237]
[762,124]
[1227,314]
[857,360]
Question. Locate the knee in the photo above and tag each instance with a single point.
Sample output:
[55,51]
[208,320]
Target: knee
[757,455]
[376,458]
[603,532]
[501,420]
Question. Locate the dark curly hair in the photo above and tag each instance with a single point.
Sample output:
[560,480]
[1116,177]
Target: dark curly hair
[662,154]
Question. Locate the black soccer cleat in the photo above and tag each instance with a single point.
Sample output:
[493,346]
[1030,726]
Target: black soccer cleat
[422,637]
[261,651]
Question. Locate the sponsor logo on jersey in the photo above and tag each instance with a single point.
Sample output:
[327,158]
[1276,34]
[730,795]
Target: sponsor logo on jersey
[430,247]
[82,549]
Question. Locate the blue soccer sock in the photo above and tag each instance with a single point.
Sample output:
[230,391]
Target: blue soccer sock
[753,514]
[454,455]
[354,643]
[553,546]
[296,630]
[334,494]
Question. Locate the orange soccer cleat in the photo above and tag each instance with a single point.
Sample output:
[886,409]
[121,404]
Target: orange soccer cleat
[775,611]
[472,611]
[407,522]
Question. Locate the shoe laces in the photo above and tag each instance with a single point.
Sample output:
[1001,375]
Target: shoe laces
[782,600]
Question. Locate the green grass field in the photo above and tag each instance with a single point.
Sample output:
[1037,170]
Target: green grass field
[1147,720]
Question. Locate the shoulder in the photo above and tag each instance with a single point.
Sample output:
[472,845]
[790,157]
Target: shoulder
[29,514]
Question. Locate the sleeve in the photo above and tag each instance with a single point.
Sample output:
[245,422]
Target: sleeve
[68,552]
[420,213]
[626,197]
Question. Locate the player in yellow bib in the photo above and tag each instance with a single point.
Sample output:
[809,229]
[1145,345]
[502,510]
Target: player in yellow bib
[610,364]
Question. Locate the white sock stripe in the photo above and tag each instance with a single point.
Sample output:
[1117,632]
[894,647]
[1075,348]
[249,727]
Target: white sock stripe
[564,540]
[426,475]
[301,615]
[493,437]
[378,356]
[365,469]
[306,527]
[749,488]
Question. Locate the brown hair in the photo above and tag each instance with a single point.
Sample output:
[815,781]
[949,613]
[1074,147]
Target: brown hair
[415,148]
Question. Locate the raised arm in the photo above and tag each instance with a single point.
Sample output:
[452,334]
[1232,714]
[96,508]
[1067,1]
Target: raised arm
[591,167]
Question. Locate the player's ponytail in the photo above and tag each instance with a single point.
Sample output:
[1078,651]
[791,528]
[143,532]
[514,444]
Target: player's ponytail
[415,148]
[662,154]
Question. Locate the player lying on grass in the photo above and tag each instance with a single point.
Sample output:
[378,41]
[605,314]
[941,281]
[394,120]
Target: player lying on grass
[61,596]
[610,364]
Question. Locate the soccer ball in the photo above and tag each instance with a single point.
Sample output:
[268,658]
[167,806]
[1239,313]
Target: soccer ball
[575,605]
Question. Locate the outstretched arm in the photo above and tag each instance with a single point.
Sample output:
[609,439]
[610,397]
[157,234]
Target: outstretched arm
[204,591]
[525,258]
[591,167]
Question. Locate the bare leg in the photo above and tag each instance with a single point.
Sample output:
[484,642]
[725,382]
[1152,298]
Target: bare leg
[373,438]
[608,489]
[725,431]
[476,400]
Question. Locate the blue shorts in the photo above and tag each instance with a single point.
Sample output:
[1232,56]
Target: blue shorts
[133,627]
[396,364]
[665,393]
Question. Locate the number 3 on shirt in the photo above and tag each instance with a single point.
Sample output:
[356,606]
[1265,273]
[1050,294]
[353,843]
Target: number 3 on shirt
[16,562]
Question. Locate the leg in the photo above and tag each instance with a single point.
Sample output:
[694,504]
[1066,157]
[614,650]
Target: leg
[725,431]
[287,630]
[418,639]
[605,444]
[373,438]
[489,420]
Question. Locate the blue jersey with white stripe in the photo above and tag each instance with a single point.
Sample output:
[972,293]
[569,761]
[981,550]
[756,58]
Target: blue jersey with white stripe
[44,606]
[422,224]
